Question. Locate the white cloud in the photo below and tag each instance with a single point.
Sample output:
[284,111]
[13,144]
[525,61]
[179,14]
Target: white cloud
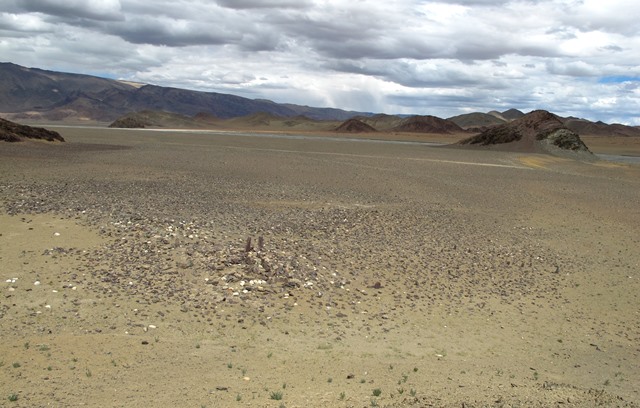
[405,56]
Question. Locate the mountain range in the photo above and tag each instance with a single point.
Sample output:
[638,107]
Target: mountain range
[37,95]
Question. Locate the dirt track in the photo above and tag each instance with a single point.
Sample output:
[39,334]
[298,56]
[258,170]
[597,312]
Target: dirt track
[432,277]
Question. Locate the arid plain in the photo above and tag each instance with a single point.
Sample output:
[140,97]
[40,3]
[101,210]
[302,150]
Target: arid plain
[152,269]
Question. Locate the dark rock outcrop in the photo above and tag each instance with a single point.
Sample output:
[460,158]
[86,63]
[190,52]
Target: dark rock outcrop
[536,132]
[15,132]
[130,122]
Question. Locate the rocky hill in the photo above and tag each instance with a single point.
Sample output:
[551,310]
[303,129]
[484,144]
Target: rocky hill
[427,124]
[14,132]
[587,128]
[355,126]
[536,132]
[476,120]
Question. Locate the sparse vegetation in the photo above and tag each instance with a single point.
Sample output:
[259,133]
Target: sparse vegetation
[377,392]
[276,395]
[13,397]
[342,396]
[16,365]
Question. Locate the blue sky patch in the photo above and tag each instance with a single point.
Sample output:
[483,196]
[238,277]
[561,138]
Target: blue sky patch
[616,79]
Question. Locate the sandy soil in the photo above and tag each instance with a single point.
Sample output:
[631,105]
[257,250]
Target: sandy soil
[377,274]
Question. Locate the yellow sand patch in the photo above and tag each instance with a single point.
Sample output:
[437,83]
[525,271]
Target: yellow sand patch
[609,165]
[541,162]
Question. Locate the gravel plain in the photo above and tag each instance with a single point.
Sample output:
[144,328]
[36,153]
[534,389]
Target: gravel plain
[145,268]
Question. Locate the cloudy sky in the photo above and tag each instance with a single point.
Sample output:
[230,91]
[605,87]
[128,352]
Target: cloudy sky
[574,57]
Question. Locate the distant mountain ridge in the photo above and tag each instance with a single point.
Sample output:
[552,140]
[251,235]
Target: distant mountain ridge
[32,93]
[479,122]
[37,95]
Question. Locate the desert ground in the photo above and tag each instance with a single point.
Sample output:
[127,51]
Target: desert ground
[153,269]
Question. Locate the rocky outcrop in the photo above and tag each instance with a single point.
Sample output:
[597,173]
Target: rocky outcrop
[15,132]
[536,132]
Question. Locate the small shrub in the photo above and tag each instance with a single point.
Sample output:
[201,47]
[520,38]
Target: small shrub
[16,365]
[276,395]
[377,392]
[342,396]
[13,397]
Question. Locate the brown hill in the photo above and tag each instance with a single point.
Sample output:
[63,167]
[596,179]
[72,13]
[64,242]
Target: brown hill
[428,124]
[381,121]
[269,122]
[14,132]
[476,120]
[355,126]
[512,114]
[587,128]
[256,121]
[149,118]
[536,132]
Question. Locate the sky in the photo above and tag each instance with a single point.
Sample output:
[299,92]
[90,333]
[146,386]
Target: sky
[573,57]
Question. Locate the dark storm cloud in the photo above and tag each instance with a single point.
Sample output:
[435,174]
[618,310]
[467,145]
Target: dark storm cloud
[106,10]
[263,4]
[173,33]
